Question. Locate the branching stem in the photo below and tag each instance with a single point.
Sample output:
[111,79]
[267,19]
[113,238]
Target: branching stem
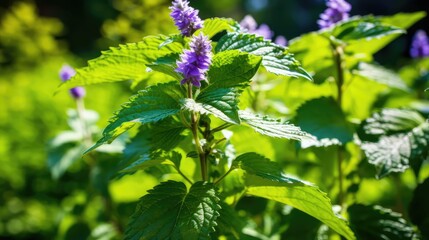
[223,176]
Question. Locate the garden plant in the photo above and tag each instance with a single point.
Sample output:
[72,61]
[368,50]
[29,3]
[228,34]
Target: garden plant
[241,137]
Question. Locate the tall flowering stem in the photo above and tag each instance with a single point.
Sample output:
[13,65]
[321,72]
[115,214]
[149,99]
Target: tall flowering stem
[185,17]
[420,45]
[337,10]
[193,65]
[77,93]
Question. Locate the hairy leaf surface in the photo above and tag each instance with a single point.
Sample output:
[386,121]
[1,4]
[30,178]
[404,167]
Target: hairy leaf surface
[324,119]
[150,145]
[265,179]
[126,62]
[170,211]
[394,140]
[273,127]
[381,75]
[212,26]
[274,57]
[150,105]
[375,222]
[365,28]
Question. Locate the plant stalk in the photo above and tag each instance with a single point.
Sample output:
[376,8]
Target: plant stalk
[338,52]
[200,150]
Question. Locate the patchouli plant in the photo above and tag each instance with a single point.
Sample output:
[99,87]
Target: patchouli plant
[200,129]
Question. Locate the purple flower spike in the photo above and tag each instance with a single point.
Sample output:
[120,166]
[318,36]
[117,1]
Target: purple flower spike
[185,17]
[194,63]
[420,45]
[337,10]
[66,73]
[281,40]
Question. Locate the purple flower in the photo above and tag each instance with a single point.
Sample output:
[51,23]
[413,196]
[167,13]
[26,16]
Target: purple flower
[281,40]
[249,24]
[337,10]
[185,17]
[264,31]
[420,45]
[66,73]
[194,63]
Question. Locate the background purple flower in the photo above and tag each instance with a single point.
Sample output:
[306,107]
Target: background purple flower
[281,40]
[249,24]
[66,73]
[194,63]
[420,45]
[337,10]
[185,17]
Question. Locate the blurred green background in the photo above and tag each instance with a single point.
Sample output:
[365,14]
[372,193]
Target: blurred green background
[38,37]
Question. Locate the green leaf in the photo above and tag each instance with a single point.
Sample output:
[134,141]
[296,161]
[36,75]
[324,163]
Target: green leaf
[286,66]
[231,69]
[61,157]
[297,194]
[221,103]
[381,75]
[274,57]
[229,73]
[363,28]
[395,139]
[273,127]
[302,225]
[375,222]
[269,182]
[166,65]
[126,62]
[169,211]
[391,121]
[260,166]
[249,43]
[146,148]
[212,26]
[229,222]
[314,52]
[150,105]
[324,119]
[151,159]
[399,20]
[419,209]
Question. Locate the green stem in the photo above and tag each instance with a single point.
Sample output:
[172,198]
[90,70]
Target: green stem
[339,64]
[223,176]
[91,160]
[184,176]
[340,176]
[338,52]
[221,127]
[200,150]
[80,108]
